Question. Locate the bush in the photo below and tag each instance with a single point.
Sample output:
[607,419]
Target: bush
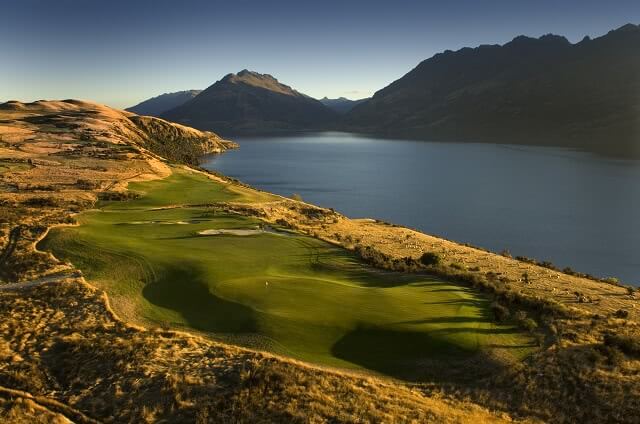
[120,196]
[41,202]
[529,324]
[621,313]
[430,259]
[626,344]
[500,313]
[87,184]
[525,322]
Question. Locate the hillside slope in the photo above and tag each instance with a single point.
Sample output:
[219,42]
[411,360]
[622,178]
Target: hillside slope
[251,102]
[86,121]
[536,91]
[63,348]
[156,106]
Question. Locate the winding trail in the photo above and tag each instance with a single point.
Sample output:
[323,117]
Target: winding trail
[53,278]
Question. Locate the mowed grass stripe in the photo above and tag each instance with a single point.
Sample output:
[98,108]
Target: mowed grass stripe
[291,294]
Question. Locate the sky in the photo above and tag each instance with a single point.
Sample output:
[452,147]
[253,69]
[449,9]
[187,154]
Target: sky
[122,52]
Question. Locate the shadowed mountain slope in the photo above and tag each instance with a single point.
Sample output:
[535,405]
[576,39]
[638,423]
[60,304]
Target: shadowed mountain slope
[531,91]
[341,104]
[251,102]
[156,106]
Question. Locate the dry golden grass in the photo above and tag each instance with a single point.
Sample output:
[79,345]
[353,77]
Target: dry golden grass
[60,341]
[21,410]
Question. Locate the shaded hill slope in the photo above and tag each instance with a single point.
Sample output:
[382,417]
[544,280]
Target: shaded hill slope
[156,106]
[341,104]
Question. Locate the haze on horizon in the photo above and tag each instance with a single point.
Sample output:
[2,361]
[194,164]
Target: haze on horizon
[120,53]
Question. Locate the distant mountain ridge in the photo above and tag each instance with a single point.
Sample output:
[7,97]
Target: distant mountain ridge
[158,105]
[251,102]
[531,91]
[342,104]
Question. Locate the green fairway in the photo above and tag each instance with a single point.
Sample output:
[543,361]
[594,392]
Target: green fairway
[283,292]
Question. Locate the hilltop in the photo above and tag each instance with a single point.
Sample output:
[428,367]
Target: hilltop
[251,102]
[543,91]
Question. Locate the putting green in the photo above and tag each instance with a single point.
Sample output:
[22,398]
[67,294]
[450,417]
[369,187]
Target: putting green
[279,291]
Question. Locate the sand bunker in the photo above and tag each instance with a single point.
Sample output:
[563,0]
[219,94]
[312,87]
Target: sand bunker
[242,231]
[238,232]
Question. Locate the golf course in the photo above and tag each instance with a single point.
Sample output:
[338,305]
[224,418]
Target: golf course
[171,258]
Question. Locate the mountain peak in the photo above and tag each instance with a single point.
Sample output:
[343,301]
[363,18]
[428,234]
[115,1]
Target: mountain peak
[249,101]
[549,39]
[258,80]
[627,28]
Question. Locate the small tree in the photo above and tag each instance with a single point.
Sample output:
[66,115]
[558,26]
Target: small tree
[500,313]
[430,259]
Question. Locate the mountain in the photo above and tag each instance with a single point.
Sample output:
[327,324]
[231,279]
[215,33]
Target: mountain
[532,91]
[341,105]
[156,106]
[251,102]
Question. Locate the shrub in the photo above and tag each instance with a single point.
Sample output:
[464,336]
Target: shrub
[430,259]
[87,184]
[621,313]
[500,313]
[529,324]
[611,280]
[120,196]
[626,344]
[525,322]
[296,197]
[41,202]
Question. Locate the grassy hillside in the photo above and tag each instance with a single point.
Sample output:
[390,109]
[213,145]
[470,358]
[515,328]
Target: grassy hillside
[63,349]
[288,293]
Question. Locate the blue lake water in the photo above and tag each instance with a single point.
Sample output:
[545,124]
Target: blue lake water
[571,208]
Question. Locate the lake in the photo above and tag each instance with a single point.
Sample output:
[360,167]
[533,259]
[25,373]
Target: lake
[571,208]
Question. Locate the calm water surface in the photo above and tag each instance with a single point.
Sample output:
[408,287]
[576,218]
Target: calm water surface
[571,208]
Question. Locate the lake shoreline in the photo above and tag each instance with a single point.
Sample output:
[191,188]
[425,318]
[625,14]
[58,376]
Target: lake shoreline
[495,196]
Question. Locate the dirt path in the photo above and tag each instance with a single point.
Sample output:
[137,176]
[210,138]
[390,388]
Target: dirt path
[53,278]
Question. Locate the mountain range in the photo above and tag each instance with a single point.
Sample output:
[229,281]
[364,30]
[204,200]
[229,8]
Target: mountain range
[251,102]
[541,91]
[341,105]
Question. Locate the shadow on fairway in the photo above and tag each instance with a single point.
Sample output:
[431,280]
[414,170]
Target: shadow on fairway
[182,289]
[416,356]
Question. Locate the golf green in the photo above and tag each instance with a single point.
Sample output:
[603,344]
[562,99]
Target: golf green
[268,288]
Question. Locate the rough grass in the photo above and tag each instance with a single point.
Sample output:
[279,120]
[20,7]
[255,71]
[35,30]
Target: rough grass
[63,343]
[287,293]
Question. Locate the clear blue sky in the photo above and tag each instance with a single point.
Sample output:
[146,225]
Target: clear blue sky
[121,52]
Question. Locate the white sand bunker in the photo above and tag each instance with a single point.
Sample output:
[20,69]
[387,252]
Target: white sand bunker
[244,231]
[158,222]
[239,232]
